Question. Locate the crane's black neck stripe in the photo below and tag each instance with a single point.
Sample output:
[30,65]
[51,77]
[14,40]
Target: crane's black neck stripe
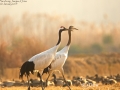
[69,41]
[59,40]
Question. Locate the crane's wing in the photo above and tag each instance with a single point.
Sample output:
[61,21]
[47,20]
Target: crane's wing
[42,60]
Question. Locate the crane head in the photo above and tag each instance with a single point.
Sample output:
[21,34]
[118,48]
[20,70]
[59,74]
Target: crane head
[72,28]
[62,28]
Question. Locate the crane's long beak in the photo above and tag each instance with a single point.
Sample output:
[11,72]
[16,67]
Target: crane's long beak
[75,28]
[66,29]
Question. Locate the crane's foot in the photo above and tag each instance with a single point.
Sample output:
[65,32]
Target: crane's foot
[42,88]
[46,84]
[29,88]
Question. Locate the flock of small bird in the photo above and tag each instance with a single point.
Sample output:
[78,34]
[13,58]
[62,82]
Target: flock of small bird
[78,81]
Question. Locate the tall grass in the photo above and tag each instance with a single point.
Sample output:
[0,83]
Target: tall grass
[33,33]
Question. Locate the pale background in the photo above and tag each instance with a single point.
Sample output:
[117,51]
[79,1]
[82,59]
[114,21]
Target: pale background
[87,10]
[31,27]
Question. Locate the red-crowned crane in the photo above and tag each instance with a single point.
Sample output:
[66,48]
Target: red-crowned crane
[40,61]
[60,58]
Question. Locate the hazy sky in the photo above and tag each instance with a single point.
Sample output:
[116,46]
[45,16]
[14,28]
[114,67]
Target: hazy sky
[87,10]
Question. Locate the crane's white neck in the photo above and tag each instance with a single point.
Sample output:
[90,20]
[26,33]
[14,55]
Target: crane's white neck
[65,49]
[54,49]
[57,46]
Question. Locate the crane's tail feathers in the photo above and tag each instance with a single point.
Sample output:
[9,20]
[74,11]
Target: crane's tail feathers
[26,68]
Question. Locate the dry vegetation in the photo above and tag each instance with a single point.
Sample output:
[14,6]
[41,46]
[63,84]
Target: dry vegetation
[21,39]
[102,64]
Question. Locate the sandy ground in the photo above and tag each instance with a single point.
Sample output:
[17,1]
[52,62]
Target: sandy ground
[101,87]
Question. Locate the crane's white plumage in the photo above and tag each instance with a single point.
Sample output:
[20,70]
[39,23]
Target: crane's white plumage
[60,58]
[62,55]
[40,61]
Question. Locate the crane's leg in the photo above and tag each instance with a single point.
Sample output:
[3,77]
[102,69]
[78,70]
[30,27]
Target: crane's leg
[62,72]
[28,83]
[40,76]
[47,79]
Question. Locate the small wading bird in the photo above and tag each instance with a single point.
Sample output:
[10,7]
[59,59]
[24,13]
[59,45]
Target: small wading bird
[60,58]
[40,61]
